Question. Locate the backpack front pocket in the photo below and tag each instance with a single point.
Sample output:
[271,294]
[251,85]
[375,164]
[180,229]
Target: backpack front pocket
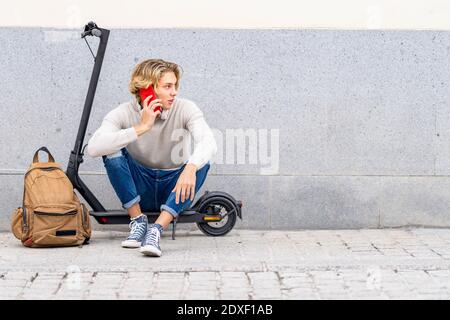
[55,225]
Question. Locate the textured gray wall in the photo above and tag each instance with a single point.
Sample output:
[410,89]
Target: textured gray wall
[363,116]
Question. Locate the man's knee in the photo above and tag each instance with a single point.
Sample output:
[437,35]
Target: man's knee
[201,176]
[112,156]
[114,161]
[204,170]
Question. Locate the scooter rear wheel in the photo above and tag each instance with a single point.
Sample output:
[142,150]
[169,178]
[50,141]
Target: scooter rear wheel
[222,227]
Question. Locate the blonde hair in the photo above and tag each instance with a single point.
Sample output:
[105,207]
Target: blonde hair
[149,72]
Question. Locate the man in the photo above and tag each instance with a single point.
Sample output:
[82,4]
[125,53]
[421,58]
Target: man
[137,145]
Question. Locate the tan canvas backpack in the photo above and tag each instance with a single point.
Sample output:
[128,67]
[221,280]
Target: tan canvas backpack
[51,214]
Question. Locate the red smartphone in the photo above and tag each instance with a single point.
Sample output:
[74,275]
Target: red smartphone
[144,93]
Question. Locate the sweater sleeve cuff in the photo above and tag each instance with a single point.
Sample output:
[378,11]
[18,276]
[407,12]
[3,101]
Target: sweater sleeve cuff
[131,134]
[197,162]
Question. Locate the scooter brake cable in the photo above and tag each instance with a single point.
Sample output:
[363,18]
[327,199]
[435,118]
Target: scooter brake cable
[90,49]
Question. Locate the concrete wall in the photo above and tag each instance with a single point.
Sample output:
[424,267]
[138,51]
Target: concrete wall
[362,116]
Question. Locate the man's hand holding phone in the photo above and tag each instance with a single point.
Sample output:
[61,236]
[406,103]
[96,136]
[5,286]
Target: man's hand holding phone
[149,115]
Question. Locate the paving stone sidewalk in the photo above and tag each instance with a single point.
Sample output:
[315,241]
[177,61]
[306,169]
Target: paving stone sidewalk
[243,265]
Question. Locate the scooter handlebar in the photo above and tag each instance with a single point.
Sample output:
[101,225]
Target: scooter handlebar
[91,29]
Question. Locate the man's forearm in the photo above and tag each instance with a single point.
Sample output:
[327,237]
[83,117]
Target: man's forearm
[205,144]
[105,142]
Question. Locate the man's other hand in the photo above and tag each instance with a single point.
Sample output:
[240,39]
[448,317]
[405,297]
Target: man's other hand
[185,187]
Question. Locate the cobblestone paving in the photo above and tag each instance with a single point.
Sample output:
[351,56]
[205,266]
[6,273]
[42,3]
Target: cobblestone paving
[244,265]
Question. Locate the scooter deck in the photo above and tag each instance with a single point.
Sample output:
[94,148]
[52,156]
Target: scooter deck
[122,217]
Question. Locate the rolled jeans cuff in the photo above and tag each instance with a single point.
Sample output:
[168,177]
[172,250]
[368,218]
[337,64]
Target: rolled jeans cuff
[129,204]
[169,209]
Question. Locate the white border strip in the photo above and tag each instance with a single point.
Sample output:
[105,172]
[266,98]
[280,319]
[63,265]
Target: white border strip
[229,14]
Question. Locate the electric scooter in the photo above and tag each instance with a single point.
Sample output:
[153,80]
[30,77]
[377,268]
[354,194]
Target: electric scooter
[215,212]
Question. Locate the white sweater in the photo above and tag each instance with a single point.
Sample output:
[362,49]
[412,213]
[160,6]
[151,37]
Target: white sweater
[160,147]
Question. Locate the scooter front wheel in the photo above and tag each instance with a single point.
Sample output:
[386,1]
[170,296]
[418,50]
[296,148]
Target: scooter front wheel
[226,208]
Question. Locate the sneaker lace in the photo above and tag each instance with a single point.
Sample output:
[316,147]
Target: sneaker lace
[153,237]
[135,228]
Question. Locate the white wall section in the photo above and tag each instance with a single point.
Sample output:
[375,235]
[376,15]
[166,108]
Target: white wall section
[330,14]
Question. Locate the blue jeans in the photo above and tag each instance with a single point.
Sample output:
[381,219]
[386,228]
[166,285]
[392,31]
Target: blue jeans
[151,188]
